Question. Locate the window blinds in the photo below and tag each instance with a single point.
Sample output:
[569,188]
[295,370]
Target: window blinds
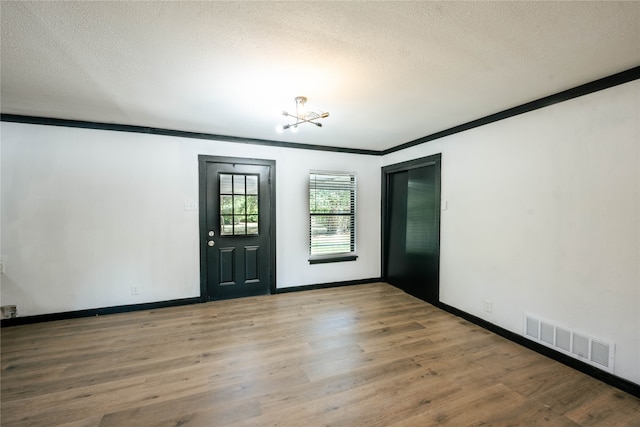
[332,201]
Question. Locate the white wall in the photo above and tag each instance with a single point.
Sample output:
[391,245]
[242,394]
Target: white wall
[86,214]
[544,217]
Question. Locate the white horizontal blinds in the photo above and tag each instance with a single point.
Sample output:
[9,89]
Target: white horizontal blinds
[332,201]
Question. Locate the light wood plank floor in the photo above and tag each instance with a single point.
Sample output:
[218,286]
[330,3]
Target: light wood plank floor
[367,355]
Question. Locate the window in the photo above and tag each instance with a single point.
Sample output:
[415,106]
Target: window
[332,217]
[238,204]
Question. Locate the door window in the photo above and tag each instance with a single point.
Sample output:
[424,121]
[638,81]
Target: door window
[238,204]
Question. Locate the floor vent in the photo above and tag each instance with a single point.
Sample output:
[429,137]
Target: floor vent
[591,350]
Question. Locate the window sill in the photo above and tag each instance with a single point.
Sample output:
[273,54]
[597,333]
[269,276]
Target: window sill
[332,258]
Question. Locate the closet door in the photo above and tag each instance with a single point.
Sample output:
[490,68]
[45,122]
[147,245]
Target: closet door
[411,235]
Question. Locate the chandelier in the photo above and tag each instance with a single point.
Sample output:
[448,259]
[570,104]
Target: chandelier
[302,116]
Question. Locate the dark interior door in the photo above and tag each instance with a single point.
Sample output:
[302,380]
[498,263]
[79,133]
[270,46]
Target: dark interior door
[236,232]
[411,249]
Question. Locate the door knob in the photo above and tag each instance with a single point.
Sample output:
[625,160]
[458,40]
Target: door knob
[210,243]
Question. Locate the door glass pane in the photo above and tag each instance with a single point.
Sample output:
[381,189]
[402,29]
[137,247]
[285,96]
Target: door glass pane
[238,184]
[252,184]
[239,204]
[252,205]
[252,224]
[226,205]
[239,224]
[226,184]
[238,211]
[226,225]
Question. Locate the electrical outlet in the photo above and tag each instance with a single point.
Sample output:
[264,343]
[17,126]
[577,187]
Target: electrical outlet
[488,306]
[134,290]
[190,206]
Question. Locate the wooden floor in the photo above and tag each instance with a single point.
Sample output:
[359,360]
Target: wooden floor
[366,355]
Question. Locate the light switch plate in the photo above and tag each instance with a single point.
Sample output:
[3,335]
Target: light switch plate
[488,306]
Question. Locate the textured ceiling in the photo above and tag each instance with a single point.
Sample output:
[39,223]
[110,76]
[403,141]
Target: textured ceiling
[388,72]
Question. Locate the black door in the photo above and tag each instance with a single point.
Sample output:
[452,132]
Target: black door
[236,227]
[411,221]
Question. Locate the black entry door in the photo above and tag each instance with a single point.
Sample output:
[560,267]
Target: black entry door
[411,240]
[236,228]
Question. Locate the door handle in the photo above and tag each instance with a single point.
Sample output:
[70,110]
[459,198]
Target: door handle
[210,243]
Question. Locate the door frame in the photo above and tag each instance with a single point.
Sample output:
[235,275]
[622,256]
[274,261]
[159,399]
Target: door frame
[431,160]
[203,160]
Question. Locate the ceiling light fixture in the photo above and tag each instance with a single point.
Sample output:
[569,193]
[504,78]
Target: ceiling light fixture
[302,116]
